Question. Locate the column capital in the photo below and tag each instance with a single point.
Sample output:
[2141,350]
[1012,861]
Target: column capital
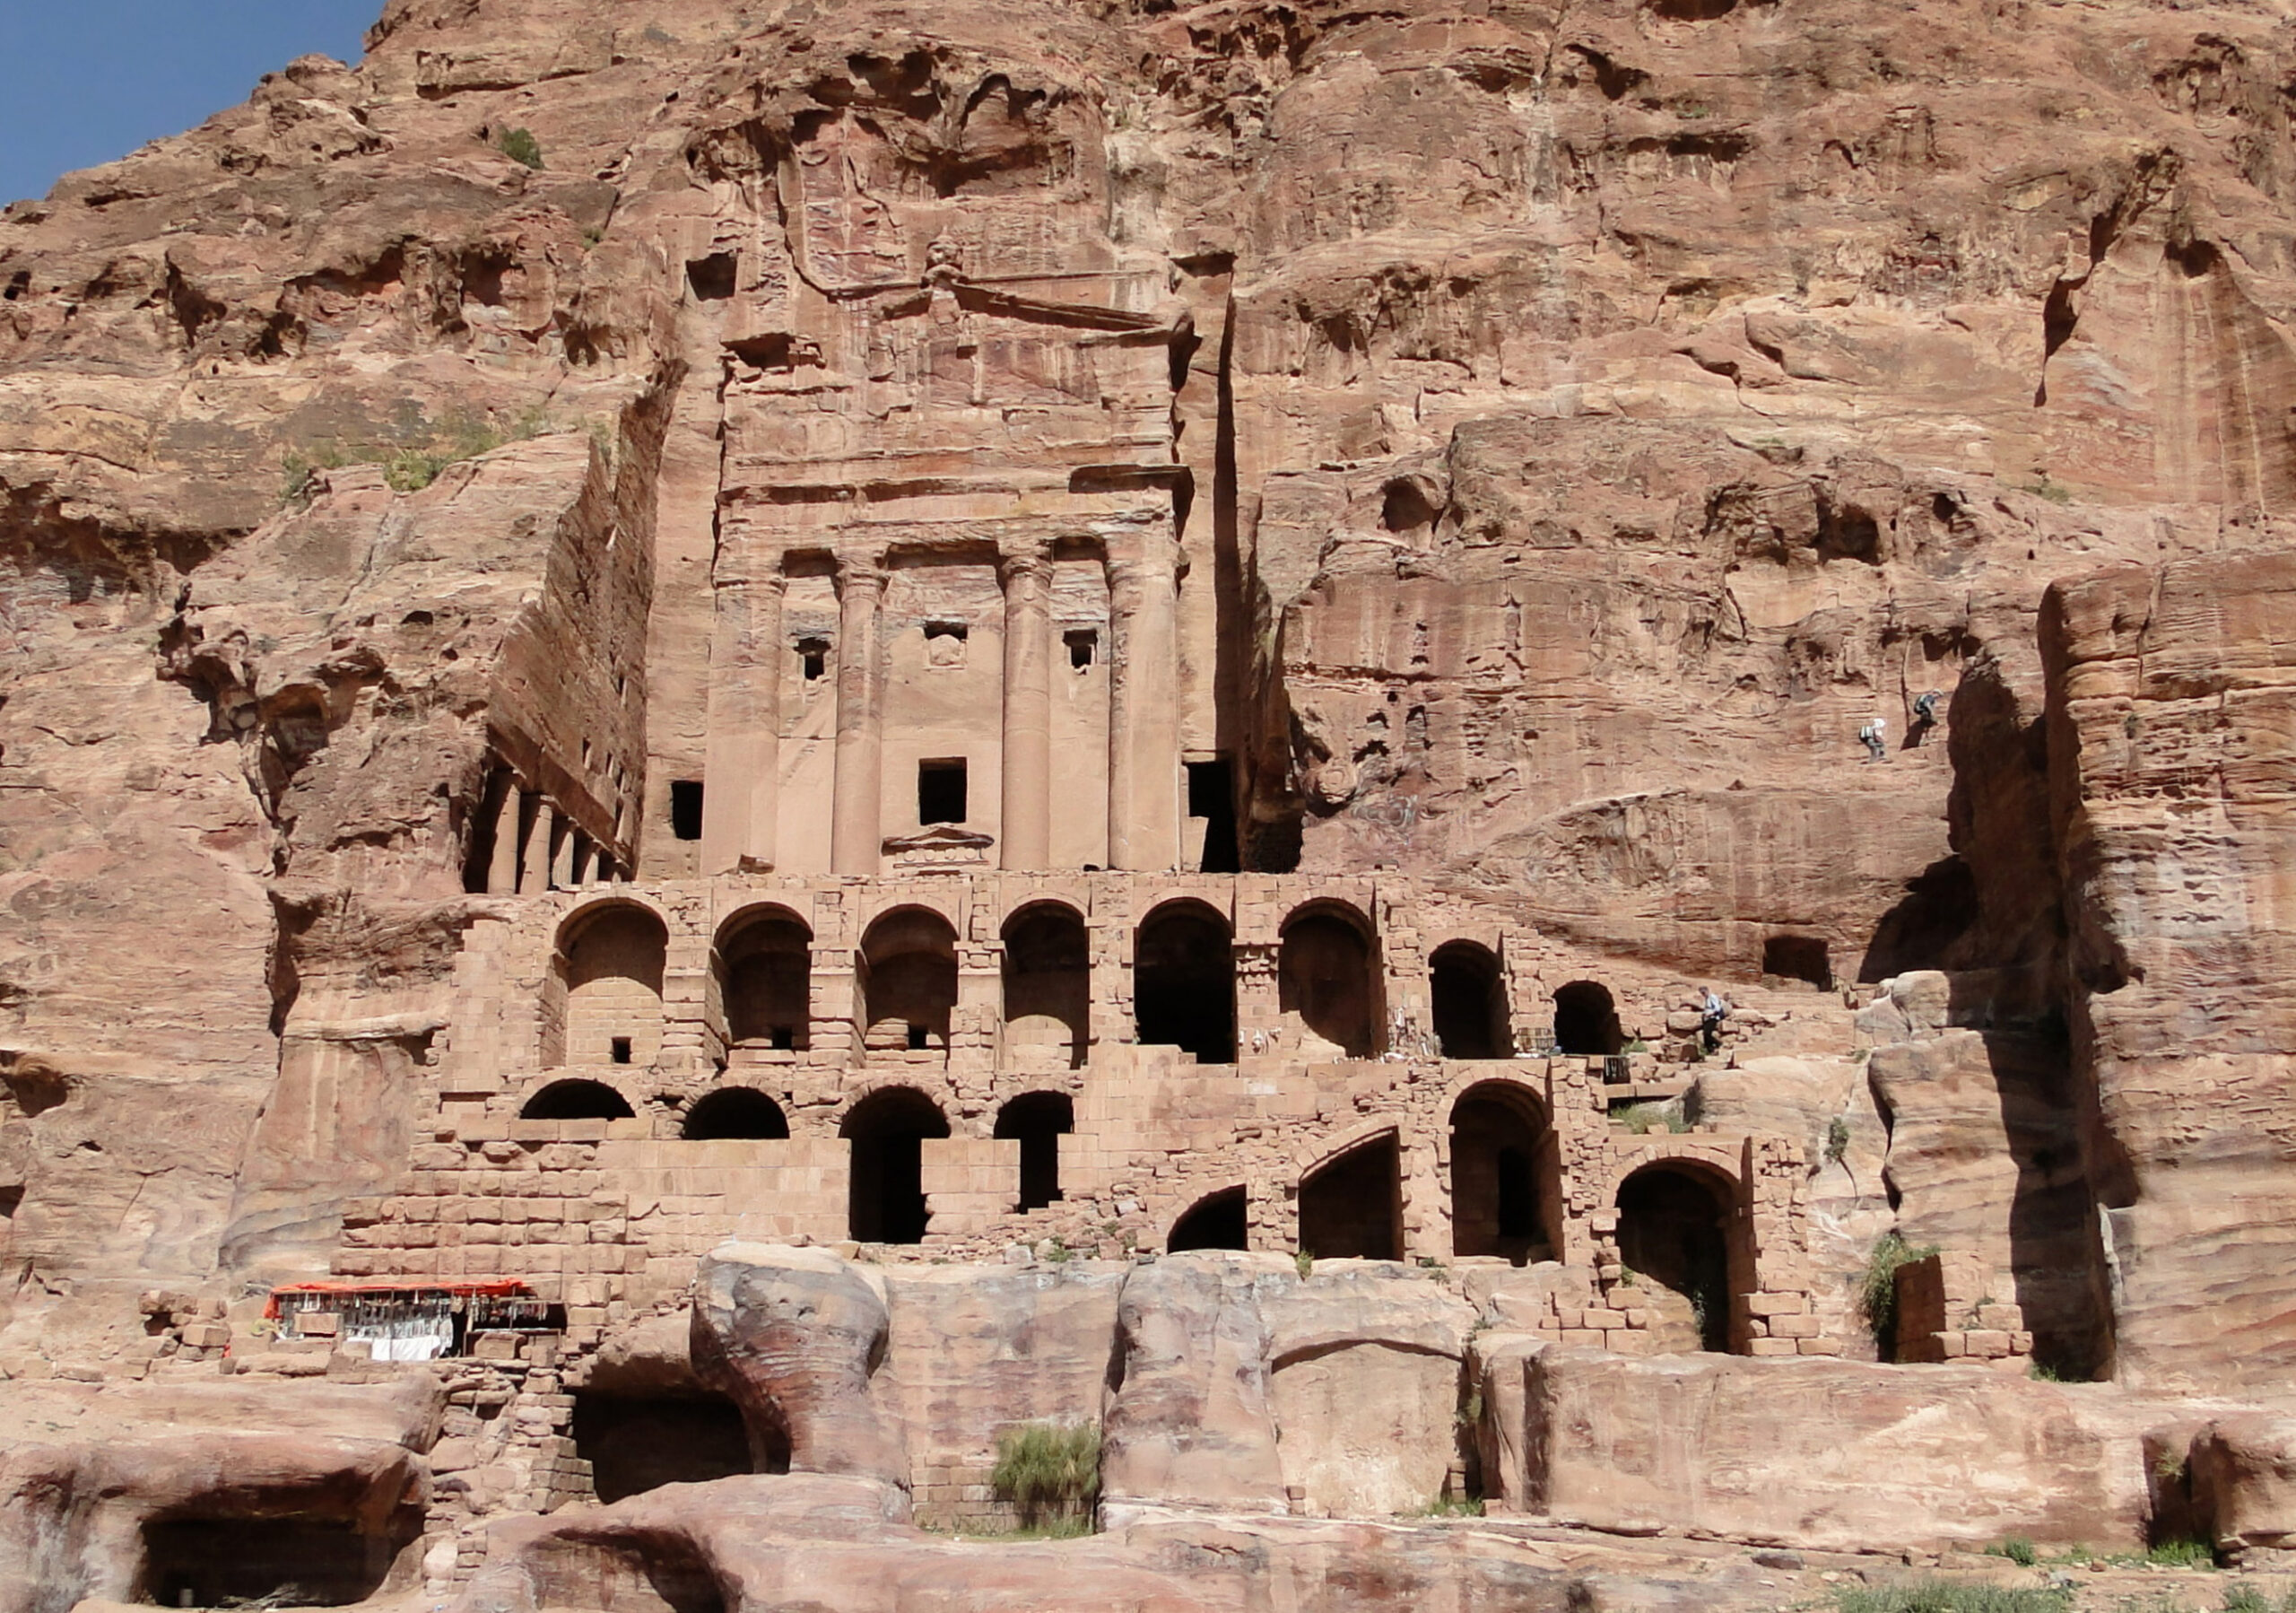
[1031,559]
[1145,560]
[864,566]
[770,579]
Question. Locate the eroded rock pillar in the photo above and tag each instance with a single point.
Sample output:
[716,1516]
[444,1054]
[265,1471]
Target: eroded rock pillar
[742,801]
[793,1336]
[857,838]
[1027,833]
[1143,705]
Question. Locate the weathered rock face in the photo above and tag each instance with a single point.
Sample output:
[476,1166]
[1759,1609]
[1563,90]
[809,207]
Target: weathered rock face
[1867,1454]
[2167,718]
[686,555]
[152,1493]
[793,1336]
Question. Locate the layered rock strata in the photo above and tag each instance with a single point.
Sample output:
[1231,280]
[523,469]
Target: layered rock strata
[1128,670]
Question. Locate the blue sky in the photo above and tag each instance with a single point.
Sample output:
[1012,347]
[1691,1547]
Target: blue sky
[85,81]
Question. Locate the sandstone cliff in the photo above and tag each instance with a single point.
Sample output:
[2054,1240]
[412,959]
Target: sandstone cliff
[1557,429]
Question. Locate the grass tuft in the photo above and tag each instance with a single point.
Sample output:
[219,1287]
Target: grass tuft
[1050,1473]
[2017,1549]
[2182,1554]
[520,146]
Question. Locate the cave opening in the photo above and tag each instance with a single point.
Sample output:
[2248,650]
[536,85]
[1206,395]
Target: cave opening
[1673,1231]
[734,1113]
[1505,1173]
[1184,982]
[1350,1207]
[1324,975]
[1470,1002]
[1048,979]
[577,1100]
[766,973]
[194,1561]
[639,1442]
[909,961]
[885,1197]
[1798,958]
[1037,1120]
[1219,1220]
[1586,1020]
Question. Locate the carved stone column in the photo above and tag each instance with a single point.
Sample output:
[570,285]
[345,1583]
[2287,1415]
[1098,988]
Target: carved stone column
[502,872]
[1027,836]
[533,875]
[1144,706]
[855,831]
[742,801]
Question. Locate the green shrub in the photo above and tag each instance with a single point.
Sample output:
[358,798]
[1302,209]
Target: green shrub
[1946,1596]
[2017,1549]
[1877,1289]
[1836,1139]
[520,146]
[1642,1119]
[2182,1554]
[1050,1474]
[2246,1599]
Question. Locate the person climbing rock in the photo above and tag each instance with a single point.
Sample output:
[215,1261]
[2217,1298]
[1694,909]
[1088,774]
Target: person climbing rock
[1711,1016]
[1924,710]
[1875,733]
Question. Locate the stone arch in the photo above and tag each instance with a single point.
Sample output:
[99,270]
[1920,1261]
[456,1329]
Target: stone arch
[577,1100]
[1468,990]
[1047,984]
[1678,1234]
[1506,1175]
[885,1195]
[1351,1205]
[1585,1019]
[1328,973]
[909,974]
[1218,1220]
[735,1113]
[1184,979]
[764,960]
[1037,1120]
[606,977]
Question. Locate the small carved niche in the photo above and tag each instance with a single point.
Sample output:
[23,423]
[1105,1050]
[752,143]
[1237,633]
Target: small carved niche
[945,643]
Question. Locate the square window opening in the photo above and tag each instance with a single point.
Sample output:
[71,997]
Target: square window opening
[813,654]
[713,277]
[920,1038]
[686,808]
[620,1046]
[784,1037]
[941,791]
[1083,647]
